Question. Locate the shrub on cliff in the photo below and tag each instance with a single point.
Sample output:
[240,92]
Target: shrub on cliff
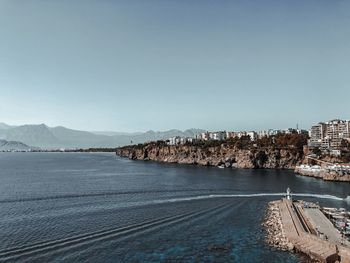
[244,143]
[212,143]
[265,141]
[291,140]
[317,151]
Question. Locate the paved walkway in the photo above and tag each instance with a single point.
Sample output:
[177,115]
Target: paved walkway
[320,222]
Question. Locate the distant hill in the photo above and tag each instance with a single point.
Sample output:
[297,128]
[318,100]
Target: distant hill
[61,137]
[113,133]
[36,135]
[14,146]
[4,126]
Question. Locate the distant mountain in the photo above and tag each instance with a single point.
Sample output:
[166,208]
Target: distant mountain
[36,135]
[157,135]
[153,136]
[82,139]
[14,146]
[4,126]
[113,133]
[60,137]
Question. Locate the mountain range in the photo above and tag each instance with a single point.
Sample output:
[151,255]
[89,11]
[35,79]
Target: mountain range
[6,146]
[40,135]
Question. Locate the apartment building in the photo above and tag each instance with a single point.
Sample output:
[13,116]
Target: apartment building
[329,134]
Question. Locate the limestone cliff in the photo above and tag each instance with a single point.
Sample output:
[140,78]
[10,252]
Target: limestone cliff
[228,155]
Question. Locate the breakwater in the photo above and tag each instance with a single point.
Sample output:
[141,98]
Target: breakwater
[302,227]
[273,225]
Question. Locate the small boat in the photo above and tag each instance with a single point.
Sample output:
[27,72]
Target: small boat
[221,166]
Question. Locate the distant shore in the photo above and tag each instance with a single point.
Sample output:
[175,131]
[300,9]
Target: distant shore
[113,150]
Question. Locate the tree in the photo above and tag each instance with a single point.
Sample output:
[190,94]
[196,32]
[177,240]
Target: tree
[345,144]
[317,151]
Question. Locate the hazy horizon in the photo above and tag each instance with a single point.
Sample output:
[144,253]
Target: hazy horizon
[97,131]
[133,66]
[155,130]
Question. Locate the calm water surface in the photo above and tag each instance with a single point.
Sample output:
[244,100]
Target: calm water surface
[96,207]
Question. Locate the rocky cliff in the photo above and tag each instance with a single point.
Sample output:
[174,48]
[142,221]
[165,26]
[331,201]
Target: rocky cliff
[228,155]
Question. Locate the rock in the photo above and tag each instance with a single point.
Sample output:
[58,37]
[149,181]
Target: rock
[225,154]
[275,236]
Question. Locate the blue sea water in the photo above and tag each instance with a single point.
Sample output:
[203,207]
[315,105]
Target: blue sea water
[97,207]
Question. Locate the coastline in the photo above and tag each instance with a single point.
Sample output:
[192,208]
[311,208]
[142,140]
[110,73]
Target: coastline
[222,155]
[226,156]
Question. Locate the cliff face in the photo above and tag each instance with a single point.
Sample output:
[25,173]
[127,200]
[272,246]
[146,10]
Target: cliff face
[229,156]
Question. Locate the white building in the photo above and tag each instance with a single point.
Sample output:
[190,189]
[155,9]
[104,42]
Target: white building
[230,134]
[204,136]
[174,140]
[263,133]
[217,136]
[252,134]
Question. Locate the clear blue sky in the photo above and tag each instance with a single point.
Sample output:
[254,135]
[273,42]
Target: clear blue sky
[138,65]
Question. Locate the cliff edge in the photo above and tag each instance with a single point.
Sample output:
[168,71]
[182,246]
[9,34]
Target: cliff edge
[226,154]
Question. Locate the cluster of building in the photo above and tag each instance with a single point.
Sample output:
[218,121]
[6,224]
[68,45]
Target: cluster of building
[329,135]
[225,135]
[324,135]
[176,140]
[16,150]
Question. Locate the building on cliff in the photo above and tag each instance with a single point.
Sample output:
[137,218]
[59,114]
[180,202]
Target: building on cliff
[271,132]
[217,136]
[329,135]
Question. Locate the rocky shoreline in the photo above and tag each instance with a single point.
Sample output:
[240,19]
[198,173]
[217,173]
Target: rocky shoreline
[327,176]
[222,155]
[227,156]
[273,225]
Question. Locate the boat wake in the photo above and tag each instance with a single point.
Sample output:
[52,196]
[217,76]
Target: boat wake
[249,196]
[321,196]
[115,233]
[199,197]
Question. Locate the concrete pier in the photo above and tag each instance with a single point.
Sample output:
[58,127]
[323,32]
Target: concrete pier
[302,227]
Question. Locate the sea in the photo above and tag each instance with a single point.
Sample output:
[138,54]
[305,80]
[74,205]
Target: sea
[98,207]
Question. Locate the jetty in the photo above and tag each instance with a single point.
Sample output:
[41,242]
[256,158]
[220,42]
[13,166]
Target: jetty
[305,228]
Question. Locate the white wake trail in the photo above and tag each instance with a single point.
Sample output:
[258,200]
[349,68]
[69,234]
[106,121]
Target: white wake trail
[201,197]
[322,196]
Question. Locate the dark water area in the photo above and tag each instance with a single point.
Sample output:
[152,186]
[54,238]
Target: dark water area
[97,207]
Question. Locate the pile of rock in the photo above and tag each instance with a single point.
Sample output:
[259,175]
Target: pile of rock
[273,225]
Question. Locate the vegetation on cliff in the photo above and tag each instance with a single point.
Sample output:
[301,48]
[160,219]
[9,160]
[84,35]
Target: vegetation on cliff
[280,151]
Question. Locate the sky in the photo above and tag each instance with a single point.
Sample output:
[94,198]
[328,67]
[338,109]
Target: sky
[163,64]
